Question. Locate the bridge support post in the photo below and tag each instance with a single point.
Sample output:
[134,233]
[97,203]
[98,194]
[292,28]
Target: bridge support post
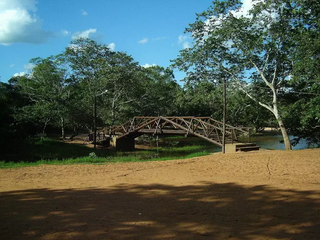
[230,148]
[123,144]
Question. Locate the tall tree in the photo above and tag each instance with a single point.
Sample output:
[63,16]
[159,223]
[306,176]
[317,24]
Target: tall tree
[249,48]
[304,85]
[123,86]
[47,87]
[91,64]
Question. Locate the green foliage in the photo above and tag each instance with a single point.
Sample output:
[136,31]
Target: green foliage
[304,85]
[199,99]
[13,131]
[304,119]
[48,89]
[158,92]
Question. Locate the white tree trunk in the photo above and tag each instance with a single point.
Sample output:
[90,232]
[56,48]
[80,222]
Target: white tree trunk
[274,107]
[63,135]
[286,139]
[274,110]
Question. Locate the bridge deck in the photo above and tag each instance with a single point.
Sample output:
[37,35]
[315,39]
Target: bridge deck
[203,127]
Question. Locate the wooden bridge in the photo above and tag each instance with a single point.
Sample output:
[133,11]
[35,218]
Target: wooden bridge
[203,127]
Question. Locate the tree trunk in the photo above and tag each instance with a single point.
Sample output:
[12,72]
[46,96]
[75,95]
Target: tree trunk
[287,143]
[273,109]
[224,116]
[113,112]
[63,135]
[95,123]
[75,132]
[44,129]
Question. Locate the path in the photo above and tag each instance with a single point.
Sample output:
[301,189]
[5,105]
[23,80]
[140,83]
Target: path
[260,195]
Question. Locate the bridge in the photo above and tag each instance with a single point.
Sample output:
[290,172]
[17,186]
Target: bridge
[207,128]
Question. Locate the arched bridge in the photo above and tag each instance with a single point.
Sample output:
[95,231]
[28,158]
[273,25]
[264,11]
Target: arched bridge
[206,128]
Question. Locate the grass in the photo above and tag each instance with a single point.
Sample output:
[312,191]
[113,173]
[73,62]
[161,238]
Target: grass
[95,160]
[55,152]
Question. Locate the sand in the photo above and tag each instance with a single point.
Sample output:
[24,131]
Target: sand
[256,195]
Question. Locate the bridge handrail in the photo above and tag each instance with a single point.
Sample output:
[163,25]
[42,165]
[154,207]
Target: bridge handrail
[216,121]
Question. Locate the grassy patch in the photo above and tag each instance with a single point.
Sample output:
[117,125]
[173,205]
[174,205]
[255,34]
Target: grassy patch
[97,160]
[184,149]
[175,137]
[56,152]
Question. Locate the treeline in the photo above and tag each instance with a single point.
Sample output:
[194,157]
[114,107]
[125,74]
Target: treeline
[64,92]
[270,63]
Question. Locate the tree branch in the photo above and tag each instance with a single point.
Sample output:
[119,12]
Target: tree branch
[274,74]
[254,99]
[266,63]
[261,74]
[246,92]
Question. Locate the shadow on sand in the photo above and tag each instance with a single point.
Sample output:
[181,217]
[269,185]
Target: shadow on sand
[204,211]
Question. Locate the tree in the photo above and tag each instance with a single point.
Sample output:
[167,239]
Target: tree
[304,85]
[123,86]
[158,92]
[248,48]
[47,86]
[91,64]
[199,99]
[13,131]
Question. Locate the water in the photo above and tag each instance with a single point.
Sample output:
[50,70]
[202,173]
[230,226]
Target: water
[181,146]
[265,141]
[274,142]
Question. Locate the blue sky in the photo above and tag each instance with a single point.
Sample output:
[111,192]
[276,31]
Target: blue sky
[151,31]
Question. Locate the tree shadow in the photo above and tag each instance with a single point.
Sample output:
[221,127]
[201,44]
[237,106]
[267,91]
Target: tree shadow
[204,211]
[54,149]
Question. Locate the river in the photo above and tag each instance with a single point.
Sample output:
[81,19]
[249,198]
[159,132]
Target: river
[264,141]
[274,142]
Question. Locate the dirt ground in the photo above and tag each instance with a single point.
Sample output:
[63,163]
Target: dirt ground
[258,195]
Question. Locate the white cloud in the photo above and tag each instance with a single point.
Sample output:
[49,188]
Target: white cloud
[84,13]
[84,34]
[27,70]
[182,38]
[20,74]
[148,65]
[11,65]
[246,7]
[244,10]
[112,46]
[159,38]
[20,24]
[143,41]
[186,45]
[28,67]
[65,32]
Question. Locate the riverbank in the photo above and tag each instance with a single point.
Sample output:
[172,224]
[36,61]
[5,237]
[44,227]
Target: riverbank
[258,195]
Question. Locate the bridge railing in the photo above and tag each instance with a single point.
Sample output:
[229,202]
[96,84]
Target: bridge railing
[207,127]
[133,125]
[235,131]
[209,124]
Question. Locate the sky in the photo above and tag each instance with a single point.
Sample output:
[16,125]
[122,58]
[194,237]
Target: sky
[151,31]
